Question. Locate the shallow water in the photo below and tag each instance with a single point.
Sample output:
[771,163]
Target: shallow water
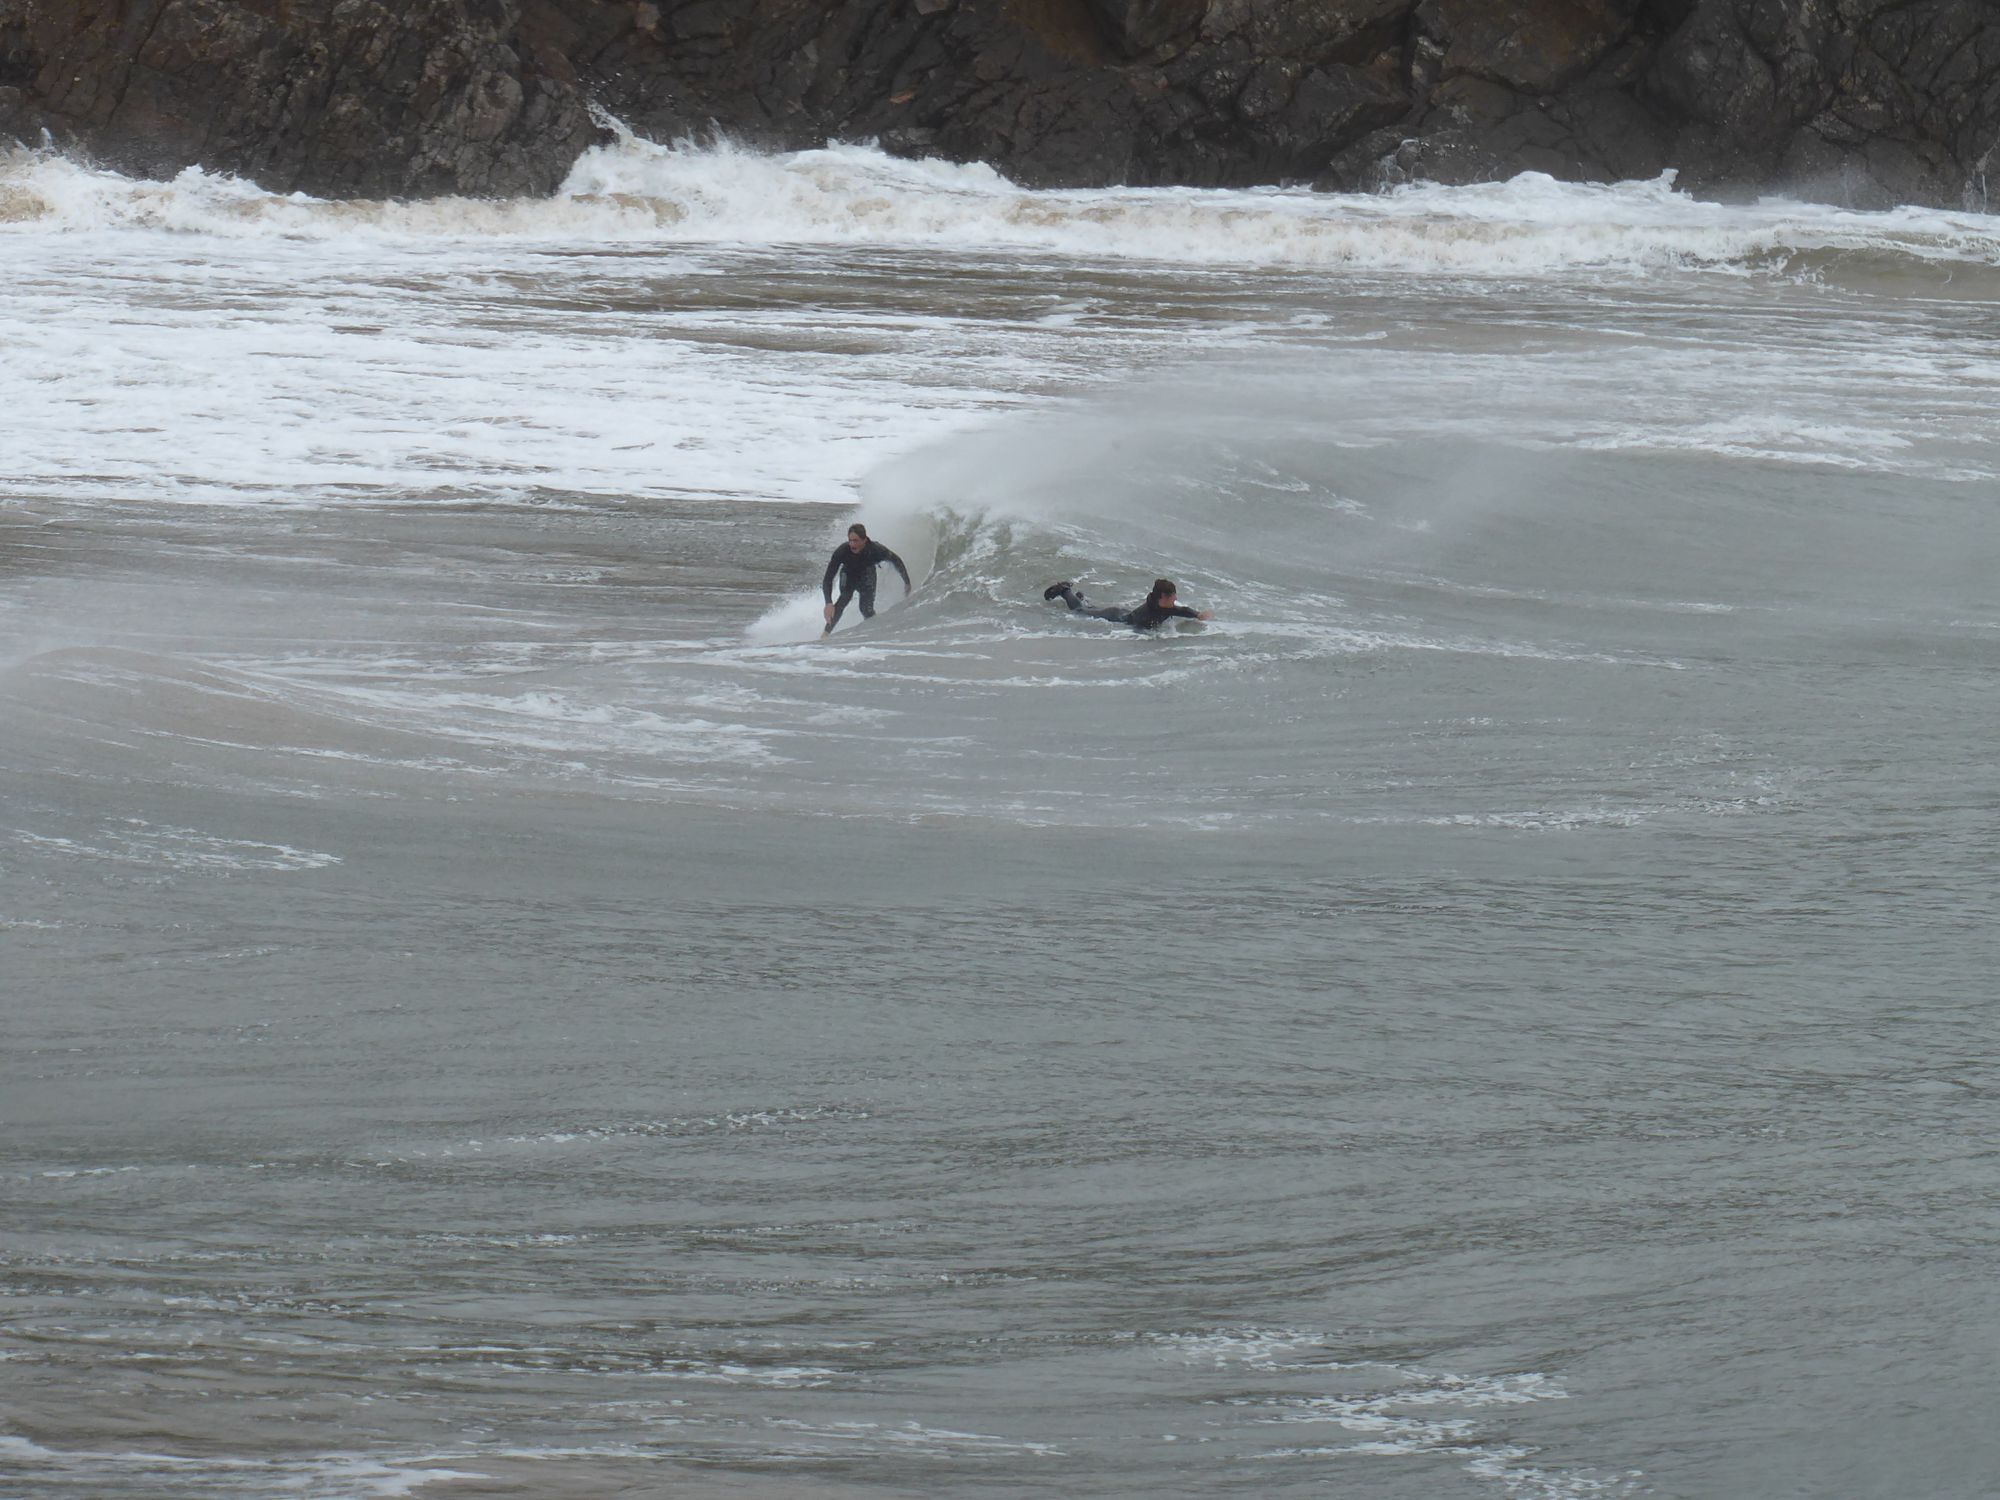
[495,1006]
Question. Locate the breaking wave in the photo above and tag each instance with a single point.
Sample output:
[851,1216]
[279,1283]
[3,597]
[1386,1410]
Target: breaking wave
[637,191]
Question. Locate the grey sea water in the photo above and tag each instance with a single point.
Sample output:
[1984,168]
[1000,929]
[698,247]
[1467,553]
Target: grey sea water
[493,1006]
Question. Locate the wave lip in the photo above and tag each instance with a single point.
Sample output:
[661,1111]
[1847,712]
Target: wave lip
[854,194]
[638,191]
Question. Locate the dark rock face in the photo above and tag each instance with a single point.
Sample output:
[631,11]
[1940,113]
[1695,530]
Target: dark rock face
[354,96]
[1864,101]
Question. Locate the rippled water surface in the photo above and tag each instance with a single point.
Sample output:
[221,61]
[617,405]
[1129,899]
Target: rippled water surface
[493,1005]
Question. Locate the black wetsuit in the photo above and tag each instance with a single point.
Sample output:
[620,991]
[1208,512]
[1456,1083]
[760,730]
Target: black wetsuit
[1147,616]
[857,577]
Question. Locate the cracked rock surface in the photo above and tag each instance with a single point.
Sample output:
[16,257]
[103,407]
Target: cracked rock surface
[1867,102]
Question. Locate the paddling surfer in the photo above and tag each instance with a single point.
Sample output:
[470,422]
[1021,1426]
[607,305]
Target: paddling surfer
[1161,605]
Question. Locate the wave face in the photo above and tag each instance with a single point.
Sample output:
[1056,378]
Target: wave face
[638,191]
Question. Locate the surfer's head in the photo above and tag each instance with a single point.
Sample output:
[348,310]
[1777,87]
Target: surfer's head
[1164,593]
[857,536]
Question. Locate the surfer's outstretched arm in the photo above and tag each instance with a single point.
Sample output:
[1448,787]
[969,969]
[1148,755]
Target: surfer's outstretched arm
[826,584]
[897,563]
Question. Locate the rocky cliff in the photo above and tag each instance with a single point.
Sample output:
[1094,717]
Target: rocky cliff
[1865,101]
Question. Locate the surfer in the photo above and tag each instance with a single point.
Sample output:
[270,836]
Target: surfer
[855,560]
[1161,605]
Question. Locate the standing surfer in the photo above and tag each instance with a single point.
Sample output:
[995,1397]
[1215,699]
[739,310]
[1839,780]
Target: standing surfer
[855,560]
[1162,604]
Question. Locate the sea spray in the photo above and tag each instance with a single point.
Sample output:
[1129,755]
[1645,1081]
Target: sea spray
[634,191]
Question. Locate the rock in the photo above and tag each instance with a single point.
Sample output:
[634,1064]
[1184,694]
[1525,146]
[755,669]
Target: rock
[325,96]
[1309,30]
[1531,50]
[1137,26]
[1866,101]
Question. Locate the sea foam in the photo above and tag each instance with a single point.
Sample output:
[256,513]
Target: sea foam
[634,190]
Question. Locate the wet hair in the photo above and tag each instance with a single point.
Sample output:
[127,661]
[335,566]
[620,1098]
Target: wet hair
[857,529]
[1161,588]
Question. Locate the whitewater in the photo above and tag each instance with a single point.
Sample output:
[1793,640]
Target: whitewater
[494,1005]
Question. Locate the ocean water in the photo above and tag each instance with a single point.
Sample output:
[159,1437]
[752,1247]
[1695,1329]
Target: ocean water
[495,1006]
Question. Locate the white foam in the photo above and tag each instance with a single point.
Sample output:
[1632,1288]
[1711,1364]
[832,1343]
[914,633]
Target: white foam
[1263,1348]
[559,722]
[230,367]
[915,1437]
[1405,1411]
[330,1476]
[637,190]
[1532,820]
[136,842]
[780,1118]
[68,1172]
[1775,437]
[196,341]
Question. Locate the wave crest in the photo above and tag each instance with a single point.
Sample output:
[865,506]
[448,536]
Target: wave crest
[634,190]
